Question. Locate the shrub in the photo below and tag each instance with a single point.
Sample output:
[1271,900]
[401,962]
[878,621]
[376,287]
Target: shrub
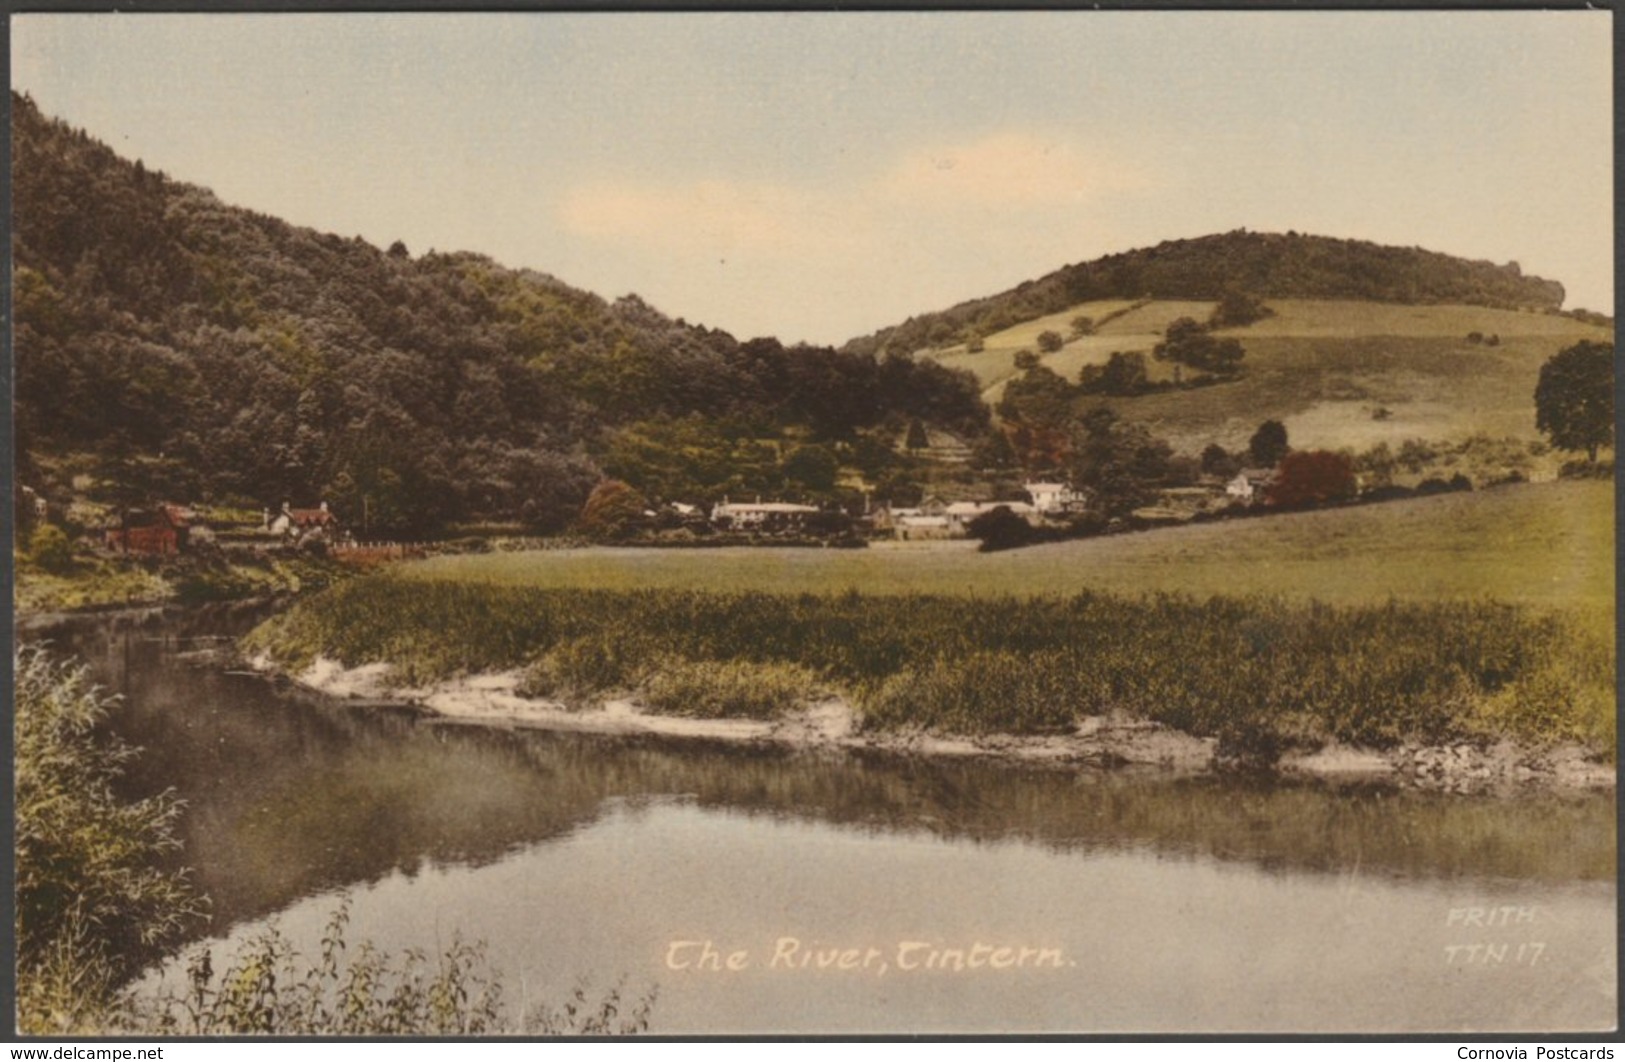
[999,528]
[1603,469]
[1238,308]
[51,549]
[266,989]
[986,692]
[612,510]
[579,671]
[740,689]
[93,905]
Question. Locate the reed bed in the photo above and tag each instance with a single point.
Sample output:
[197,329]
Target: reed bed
[1248,668]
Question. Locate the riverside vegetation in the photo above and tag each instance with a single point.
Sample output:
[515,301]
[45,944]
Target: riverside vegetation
[97,901]
[1261,674]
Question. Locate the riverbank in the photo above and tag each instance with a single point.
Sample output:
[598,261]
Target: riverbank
[831,723]
[111,581]
[1266,677]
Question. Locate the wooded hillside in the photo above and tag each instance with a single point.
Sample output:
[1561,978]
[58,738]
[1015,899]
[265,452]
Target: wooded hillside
[173,346]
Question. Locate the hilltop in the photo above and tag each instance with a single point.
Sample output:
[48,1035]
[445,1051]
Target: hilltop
[1271,265]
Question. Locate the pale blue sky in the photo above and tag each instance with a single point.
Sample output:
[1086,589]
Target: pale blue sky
[817,176]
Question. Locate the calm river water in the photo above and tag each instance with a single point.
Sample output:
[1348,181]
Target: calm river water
[958,896]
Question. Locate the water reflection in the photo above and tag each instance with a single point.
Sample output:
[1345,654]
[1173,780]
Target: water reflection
[288,794]
[603,849]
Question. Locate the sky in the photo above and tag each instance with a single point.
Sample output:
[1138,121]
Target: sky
[817,176]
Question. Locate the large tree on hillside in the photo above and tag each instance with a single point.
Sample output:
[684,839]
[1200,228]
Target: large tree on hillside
[1574,400]
[1120,464]
[1268,445]
[1187,342]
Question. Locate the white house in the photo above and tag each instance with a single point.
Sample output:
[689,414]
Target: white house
[771,516]
[299,524]
[1250,485]
[1051,497]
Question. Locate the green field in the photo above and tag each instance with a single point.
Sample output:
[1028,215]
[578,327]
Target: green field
[1467,616]
[995,363]
[1548,545]
[1325,368]
[1352,317]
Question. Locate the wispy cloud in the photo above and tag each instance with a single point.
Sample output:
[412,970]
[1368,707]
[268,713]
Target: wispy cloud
[889,242]
[1009,172]
[1012,170]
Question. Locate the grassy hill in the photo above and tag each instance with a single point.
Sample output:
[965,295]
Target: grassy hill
[1352,374]
[1124,324]
[1338,373]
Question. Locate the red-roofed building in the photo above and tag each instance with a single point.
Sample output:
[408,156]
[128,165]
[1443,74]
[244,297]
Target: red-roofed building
[163,530]
[299,524]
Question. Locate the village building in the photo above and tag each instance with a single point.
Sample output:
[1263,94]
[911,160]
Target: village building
[300,525]
[1052,497]
[1250,485]
[761,516]
[164,530]
[915,526]
[935,519]
[960,514]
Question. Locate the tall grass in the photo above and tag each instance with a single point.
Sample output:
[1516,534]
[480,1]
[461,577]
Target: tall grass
[726,689]
[267,988]
[1304,673]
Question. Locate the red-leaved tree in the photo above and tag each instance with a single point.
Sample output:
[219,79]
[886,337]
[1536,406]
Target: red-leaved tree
[1306,478]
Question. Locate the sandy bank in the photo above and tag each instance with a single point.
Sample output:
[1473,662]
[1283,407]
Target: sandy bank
[1098,741]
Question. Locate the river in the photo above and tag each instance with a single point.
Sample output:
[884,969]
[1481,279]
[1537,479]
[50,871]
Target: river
[774,891]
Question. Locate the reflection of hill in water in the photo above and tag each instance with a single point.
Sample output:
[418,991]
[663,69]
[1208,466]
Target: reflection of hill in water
[286,797]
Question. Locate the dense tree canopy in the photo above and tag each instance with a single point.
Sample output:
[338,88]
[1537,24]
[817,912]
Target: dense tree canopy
[1237,308]
[1312,477]
[1268,445]
[159,329]
[1118,463]
[1187,342]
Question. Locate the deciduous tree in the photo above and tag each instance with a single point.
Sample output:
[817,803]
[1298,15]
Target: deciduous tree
[1574,400]
[1268,445]
[1312,477]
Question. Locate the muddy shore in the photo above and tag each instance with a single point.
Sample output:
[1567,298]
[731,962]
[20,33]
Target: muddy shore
[1098,741]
